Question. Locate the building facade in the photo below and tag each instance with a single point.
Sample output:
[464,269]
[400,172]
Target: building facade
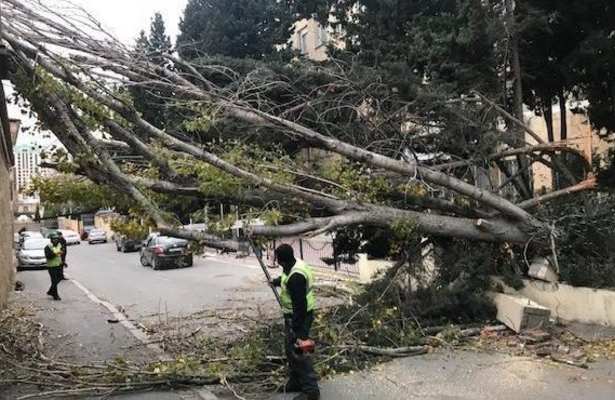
[311,39]
[7,268]
[27,166]
[580,136]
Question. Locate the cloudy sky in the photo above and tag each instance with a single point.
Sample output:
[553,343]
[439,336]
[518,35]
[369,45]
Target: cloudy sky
[124,18]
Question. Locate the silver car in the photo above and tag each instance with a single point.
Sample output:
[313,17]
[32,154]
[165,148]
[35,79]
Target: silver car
[32,254]
[97,236]
[71,237]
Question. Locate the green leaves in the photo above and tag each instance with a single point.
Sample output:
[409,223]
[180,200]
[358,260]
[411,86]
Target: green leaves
[236,28]
[133,229]
[76,192]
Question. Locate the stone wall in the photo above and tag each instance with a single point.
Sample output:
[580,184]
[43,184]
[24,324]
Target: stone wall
[69,224]
[569,303]
[7,267]
[103,221]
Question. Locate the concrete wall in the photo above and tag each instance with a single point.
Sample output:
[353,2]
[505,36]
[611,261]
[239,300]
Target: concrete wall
[103,221]
[7,267]
[569,303]
[370,269]
[69,224]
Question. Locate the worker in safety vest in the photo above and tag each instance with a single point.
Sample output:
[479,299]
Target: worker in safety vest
[298,304]
[53,254]
[64,252]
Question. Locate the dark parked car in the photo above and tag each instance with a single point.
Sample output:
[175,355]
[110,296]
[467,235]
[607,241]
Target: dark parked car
[123,244]
[165,252]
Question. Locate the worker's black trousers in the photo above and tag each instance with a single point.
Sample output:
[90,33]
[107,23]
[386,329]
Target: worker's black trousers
[56,277]
[302,374]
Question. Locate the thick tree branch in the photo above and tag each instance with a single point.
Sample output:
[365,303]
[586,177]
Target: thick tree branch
[557,162]
[588,184]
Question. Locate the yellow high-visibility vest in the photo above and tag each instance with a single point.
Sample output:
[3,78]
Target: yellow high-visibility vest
[56,260]
[300,267]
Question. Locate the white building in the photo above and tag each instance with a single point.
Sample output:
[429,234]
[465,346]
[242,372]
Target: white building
[27,166]
[27,161]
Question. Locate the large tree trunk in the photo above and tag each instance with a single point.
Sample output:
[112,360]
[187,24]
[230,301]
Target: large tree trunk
[547,112]
[515,61]
[563,114]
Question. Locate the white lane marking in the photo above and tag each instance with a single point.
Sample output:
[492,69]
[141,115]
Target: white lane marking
[134,330]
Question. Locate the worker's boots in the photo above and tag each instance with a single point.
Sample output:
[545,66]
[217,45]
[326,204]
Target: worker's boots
[290,387]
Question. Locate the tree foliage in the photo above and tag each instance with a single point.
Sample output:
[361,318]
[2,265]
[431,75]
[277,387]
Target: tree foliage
[152,103]
[567,52]
[234,28]
[76,193]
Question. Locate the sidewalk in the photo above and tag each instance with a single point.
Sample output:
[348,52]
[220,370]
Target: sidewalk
[82,331]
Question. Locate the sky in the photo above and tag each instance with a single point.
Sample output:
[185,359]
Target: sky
[125,19]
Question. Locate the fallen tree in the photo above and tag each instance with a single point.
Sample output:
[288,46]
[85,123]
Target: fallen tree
[76,77]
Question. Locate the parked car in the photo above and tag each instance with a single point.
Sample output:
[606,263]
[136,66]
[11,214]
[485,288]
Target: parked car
[32,253]
[97,236]
[71,237]
[165,252]
[86,231]
[123,244]
[23,236]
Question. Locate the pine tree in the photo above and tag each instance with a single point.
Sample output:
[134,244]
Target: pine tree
[158,41]
[152,103]
[234,28]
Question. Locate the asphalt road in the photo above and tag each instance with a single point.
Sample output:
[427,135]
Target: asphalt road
[120,279]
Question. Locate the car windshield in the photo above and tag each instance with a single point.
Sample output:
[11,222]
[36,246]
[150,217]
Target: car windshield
[97,232]
[68,233]
[169,241]
[35,244]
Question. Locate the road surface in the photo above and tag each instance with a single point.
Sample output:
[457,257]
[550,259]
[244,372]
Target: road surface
[144,293]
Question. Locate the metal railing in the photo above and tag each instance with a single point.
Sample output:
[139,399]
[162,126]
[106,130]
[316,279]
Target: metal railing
[317,252]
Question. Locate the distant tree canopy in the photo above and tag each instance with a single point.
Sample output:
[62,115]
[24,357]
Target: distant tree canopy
[567,48]
[234,28]
[76,193]
[153,102]
[441,42]
[568,52]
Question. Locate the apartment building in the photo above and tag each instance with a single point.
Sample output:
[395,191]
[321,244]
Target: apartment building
[311,39]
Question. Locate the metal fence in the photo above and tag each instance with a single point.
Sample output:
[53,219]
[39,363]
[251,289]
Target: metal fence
[317,252]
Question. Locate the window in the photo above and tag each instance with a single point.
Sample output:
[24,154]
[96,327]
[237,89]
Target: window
[303,44]
[323,36]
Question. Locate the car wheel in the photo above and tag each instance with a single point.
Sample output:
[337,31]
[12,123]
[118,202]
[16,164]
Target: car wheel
[144,261]
[190,262]
[155,265]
